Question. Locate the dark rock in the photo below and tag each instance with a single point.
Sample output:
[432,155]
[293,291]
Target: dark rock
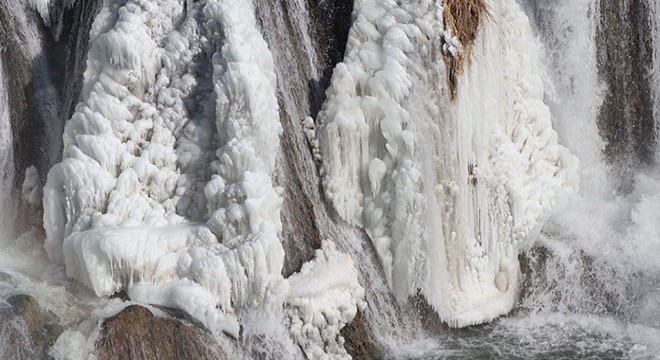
[135,333]
[121,294]
[43,88]
[181,315]
[359,340]
[625,56]
[429,318]
[544,272]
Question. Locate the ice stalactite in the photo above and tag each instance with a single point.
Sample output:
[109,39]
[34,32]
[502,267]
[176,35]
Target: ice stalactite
[447,191]
[509,152]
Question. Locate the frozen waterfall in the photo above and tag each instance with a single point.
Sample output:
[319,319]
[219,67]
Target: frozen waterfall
[330,179]
[448,191]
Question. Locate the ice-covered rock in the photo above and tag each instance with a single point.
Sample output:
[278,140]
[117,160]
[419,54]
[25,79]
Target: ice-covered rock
[447,190]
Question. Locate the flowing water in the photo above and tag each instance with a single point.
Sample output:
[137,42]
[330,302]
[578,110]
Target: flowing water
[6,147]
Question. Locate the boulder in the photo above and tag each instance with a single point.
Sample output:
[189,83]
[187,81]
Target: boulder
[26,332]
[136,334]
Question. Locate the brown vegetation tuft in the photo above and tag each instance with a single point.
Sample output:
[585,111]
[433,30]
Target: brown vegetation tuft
[463,18]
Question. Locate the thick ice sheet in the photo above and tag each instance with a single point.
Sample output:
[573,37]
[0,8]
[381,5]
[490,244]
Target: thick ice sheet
[447,190]
[117,209]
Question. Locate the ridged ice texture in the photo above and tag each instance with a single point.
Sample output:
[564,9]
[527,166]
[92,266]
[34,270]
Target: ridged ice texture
[134,205]
[324,296]
[447,191]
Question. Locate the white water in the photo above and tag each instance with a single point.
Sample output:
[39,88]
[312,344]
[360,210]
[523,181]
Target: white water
[593,292]
[6,151]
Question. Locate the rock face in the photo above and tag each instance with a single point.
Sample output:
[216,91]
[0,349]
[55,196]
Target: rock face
[44,67]
[26,332]
[625,52]
[360,343]
[135,333]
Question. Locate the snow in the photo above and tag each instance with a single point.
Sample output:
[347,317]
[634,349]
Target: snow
[324,296]
[447,191]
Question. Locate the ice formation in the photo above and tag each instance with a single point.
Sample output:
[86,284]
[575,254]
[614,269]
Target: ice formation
[133,205]
[447,191]
[324,296]
[31,188]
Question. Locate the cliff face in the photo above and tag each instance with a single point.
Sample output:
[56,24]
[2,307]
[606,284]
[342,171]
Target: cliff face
[45,57]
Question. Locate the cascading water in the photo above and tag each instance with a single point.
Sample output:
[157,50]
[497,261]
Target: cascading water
[6,150]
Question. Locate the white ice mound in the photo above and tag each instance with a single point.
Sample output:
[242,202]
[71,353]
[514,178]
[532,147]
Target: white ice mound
[134,204]
[447,190]
[323,297]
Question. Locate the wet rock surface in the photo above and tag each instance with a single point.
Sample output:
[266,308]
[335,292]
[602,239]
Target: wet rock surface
[44,84]
[625,58]
[135,333]
[360,343]
[26,331]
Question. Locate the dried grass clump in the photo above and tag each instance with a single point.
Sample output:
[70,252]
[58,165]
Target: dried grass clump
[463,18]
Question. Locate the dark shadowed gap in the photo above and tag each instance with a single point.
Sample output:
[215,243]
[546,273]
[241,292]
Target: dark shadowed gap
[333,19]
